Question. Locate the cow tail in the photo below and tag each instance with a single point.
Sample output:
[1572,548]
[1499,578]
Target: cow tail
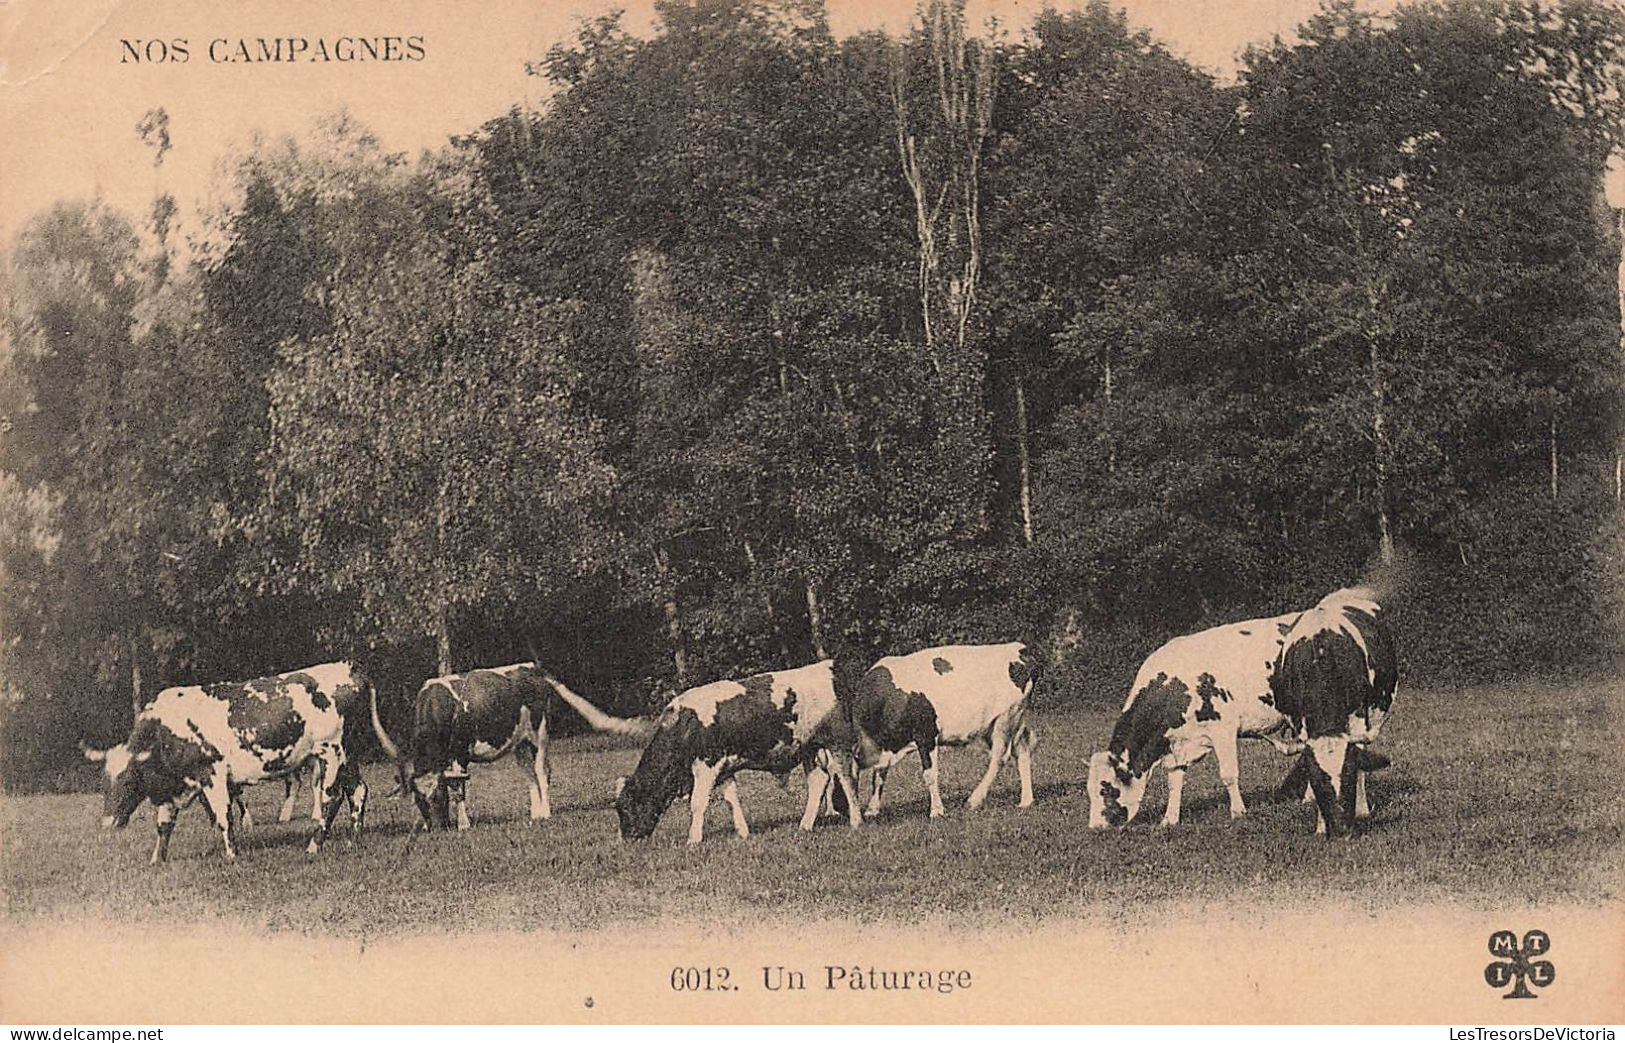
[641,727]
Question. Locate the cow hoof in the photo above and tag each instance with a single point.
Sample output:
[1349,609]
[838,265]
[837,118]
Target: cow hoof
[312,848]
[937,813]
[286,816]
[1026,802]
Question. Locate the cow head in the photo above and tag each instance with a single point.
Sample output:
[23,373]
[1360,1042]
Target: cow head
[1115,792]
[123,786]
[664,773]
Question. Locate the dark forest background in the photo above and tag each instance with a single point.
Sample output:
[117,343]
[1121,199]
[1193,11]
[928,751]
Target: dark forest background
[751,343]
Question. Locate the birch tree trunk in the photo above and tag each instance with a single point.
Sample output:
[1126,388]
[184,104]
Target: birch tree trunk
[1024,457]
[940,155]
[674,622]
[132,647]
[815,617]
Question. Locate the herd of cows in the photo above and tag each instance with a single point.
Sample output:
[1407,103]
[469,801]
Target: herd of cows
[1317,684]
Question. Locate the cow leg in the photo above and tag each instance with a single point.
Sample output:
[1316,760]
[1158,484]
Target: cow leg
[845,776]
[355,790]
[542,788]
[818,786]
[166,825]
[1224,751]
[332,796]
[1326,776]
[1024,765]
[217,800]
[1176,792]
[457,793]
[928,768]
[245,818]
[1362,806]
[527,757]
[876,786]
[290,784]
[705,777]
[730,793]
[998,743]
[313,775]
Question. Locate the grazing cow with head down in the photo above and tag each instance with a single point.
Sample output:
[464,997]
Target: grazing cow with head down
[478,717]
[1196,693]
[947,696]
[1334,681]
[767,722]
[211,740]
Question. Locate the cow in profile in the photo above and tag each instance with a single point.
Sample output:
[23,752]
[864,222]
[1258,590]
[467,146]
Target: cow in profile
[1195,694]
[209,741]
[946,696]
[1334,681]
[479,717]
[767,722]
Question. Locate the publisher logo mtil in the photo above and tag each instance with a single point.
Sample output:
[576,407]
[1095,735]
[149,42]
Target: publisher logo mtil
[1518,966]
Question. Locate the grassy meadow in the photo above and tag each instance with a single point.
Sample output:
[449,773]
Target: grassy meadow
[1497,795]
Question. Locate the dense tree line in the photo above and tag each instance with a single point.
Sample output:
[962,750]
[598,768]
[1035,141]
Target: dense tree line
[753,343]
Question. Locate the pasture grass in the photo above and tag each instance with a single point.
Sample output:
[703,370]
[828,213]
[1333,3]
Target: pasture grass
[1497,795]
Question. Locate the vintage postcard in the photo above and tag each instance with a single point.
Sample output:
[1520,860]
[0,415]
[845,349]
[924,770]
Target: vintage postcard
[812,511]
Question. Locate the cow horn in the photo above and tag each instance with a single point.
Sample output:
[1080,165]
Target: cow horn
[91,753]
[601,721]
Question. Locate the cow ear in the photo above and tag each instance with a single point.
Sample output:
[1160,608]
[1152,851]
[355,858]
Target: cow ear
[92,754]
[141,757]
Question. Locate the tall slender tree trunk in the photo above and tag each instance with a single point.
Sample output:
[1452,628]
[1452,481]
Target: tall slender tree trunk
[442,611]
[1111,435]
[132,646]
[1551,443]
[1024,457]
[815,617]
[1381,451]
[674,622]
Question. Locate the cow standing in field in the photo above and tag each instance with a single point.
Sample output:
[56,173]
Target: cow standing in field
[1334,681]
[946,696]
[211,740]
[478,717]
[1196,693]
[767,722]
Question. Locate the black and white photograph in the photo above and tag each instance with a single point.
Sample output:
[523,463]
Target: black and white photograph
[812,512]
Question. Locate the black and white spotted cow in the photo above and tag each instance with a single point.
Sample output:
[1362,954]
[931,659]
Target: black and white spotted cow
[1196,693]
[209,741]
[478,717]
[947,696]
[767,722]
[1334,681]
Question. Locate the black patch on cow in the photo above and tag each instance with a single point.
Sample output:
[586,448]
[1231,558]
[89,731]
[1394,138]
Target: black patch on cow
[749,726]
[1284,628]
[1140,737]
[941,665]
[1025,668]
[665,772]
[1245,633]
[1207,689]
[890,718]
[1111,800]
[319,699]
[1384,660]
[268,722]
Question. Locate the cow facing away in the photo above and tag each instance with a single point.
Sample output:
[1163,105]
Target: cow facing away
[1334,681]
[209,741]
[767,722]
[946,696]
[1194,694]
[479,717]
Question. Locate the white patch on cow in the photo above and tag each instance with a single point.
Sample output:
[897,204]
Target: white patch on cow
[704,699]
[511,669]
[451,690]
[117,761]
[976,689]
